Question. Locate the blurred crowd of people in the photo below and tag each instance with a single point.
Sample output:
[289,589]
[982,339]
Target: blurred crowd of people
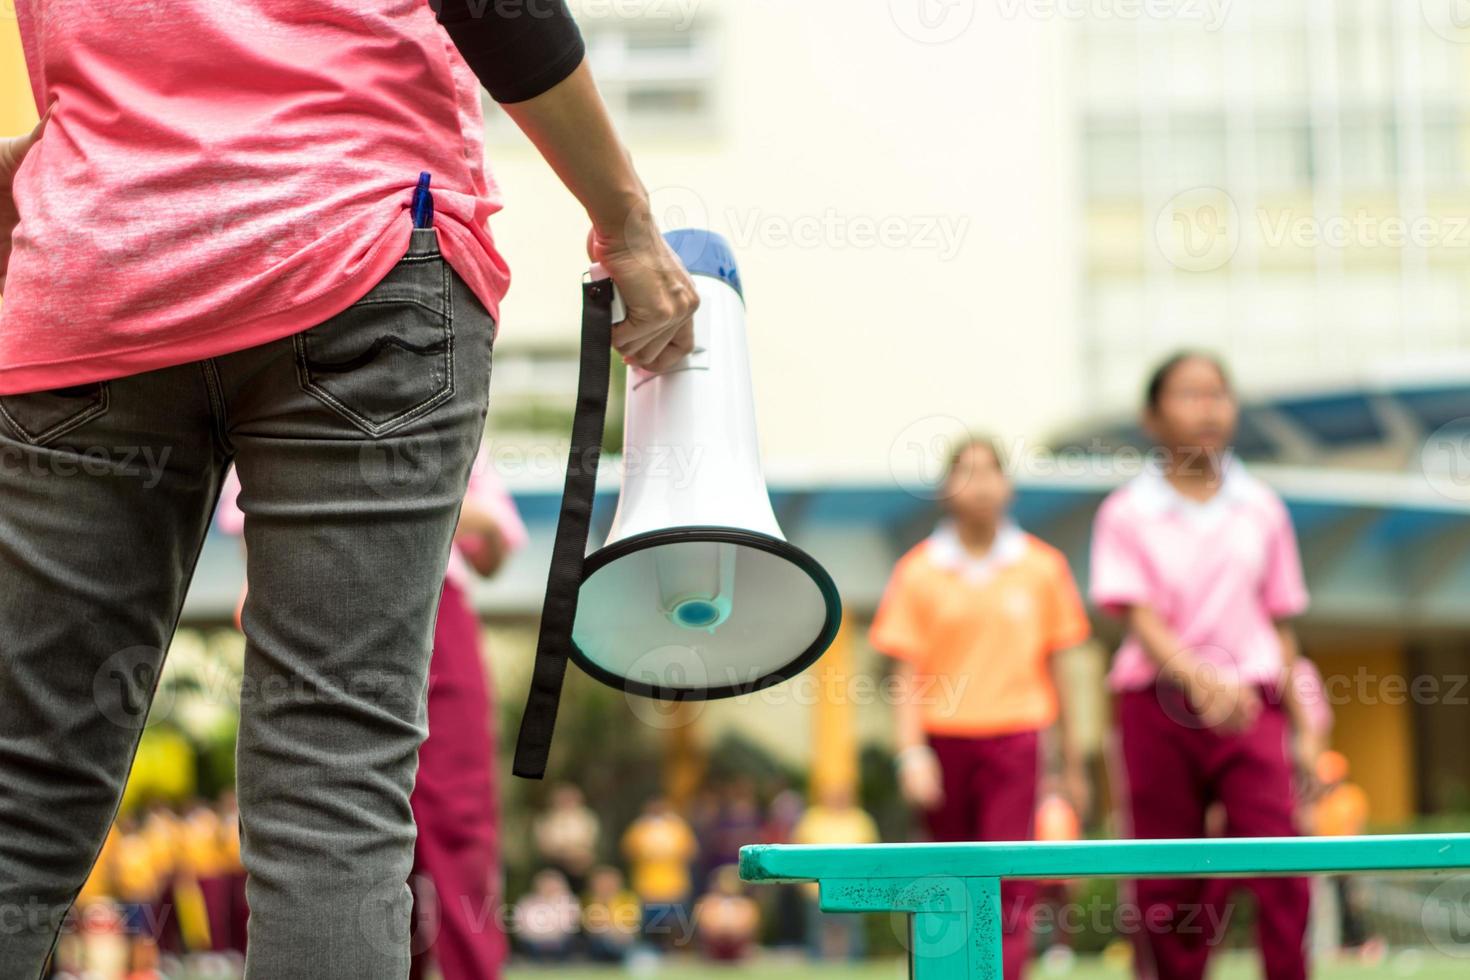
[168,882]
[677,885]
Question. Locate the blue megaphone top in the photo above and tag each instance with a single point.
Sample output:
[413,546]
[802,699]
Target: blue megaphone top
[705,253]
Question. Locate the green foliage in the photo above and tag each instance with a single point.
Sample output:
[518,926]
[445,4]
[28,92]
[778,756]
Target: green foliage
[736,757]
[881,797]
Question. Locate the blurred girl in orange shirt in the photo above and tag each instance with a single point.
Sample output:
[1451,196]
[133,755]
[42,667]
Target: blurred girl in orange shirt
[974,615]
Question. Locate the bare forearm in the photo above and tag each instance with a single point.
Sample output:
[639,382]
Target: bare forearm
[908,718]
[570,127]
[1066,726]
[920,778]
[474,519]
[482,542]
[1296,709]
[1290,648]
[1160,643]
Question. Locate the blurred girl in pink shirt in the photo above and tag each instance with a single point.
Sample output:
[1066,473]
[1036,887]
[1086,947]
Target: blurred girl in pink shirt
[1200,560]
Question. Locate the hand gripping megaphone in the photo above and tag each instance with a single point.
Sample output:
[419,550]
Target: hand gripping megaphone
[696,593]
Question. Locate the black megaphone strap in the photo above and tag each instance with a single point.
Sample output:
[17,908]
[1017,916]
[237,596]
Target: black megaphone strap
[559,611]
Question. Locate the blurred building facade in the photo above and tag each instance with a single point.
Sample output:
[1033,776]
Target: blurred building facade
[1022,205]
[1286,182]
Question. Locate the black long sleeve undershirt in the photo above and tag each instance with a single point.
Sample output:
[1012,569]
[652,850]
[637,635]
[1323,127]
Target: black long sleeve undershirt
[517,48]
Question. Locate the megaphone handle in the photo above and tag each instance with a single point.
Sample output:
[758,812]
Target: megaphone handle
[559,609]
[619,309]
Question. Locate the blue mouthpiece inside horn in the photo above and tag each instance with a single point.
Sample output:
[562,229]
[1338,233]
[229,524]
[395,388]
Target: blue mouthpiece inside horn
[696,614]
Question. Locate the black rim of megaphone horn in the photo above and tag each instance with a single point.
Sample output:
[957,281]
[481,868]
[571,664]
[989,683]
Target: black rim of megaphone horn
[716,535]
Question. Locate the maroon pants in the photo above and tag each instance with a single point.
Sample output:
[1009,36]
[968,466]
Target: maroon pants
[990,794]
[218,894]
[456,860]
[239,913]
[1174,769]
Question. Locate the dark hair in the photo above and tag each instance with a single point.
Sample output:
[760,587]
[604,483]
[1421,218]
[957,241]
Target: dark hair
[1156,381]
[971,442]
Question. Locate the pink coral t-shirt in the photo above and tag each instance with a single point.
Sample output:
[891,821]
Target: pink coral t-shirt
[1219,573]
[217,175]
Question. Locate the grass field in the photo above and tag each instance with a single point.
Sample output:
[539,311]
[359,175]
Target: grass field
[1408,963]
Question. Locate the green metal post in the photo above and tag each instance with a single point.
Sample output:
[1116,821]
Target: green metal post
[953,924]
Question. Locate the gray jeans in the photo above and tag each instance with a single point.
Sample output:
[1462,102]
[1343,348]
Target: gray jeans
[353,441]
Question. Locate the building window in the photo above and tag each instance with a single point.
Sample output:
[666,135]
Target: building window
[655,72]
[1369,149]
[1446,134]
[1114,157]
[1284,159]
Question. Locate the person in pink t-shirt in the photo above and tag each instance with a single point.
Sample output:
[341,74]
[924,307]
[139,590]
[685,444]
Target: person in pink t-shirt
[255,234]
[1200,560]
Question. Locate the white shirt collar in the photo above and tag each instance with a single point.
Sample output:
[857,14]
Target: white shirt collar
[1156,494]
[948,551]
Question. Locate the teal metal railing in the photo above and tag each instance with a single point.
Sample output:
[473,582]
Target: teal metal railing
[951,892]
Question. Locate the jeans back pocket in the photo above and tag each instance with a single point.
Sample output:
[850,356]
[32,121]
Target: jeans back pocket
[389,358]
[42,416]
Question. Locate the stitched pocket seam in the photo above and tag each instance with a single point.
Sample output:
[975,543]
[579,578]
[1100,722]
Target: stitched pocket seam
[61,428]
[445,392]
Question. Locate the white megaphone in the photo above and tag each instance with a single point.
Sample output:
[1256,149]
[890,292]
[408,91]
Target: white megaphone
[696,593]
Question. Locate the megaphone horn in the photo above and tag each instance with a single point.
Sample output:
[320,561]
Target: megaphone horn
[696,594]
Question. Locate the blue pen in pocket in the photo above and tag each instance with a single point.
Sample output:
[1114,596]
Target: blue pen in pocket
[423,203]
